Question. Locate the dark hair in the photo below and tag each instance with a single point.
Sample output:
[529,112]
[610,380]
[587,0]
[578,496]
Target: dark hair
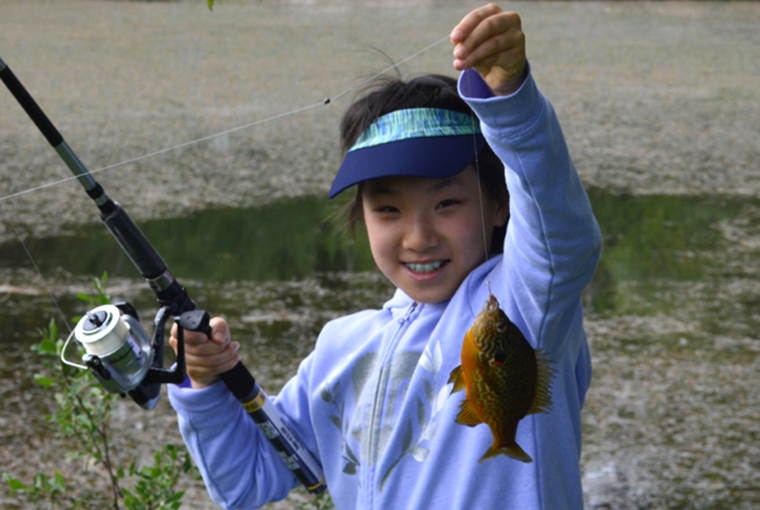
[387,94]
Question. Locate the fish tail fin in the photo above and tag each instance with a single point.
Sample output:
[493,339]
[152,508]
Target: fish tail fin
[542,401]
[513,451]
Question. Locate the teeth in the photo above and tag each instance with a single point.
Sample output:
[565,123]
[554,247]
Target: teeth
[424,268]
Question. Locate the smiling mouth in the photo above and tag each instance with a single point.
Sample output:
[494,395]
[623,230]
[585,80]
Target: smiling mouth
[427,267]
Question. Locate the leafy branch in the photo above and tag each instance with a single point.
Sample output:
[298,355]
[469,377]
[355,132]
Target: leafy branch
[83,414]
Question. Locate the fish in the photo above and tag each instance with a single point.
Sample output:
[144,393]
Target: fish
[504,380]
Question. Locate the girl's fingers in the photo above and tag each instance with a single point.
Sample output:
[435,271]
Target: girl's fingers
[206,376]
[487,28]
[472,20]
[207,358]
[212,359]
[497,50]
[220,331]
[191,337]
[492,42]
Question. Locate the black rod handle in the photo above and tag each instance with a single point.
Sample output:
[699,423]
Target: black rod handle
[290,447]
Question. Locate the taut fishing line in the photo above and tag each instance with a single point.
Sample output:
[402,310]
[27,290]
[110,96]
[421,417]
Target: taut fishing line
[36,268]
[228,131]
[480,190]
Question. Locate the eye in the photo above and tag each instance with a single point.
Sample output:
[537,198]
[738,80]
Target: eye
[447,203]
[386,209]
[501,327]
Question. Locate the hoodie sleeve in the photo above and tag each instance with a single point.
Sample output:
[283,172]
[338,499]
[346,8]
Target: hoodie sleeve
[240,468]
[553,241]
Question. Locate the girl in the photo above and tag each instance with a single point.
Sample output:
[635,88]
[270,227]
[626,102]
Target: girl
[373,402]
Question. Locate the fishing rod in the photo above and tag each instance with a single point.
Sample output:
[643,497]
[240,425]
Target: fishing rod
[119,351]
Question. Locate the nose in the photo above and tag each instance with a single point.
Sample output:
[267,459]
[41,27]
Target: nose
[420,234]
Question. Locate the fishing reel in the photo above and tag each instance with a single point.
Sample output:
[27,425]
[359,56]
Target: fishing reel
[122,355]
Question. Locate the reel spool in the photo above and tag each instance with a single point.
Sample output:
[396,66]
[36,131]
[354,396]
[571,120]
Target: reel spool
[118,349]
[122,355]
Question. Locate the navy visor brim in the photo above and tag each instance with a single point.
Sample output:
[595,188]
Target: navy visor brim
[431,157]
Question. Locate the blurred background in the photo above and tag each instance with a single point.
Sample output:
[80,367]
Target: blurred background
[659,103]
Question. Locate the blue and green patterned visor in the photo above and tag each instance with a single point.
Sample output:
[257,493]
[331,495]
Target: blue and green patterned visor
[416,142]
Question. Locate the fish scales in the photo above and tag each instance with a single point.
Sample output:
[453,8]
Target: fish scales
[504,379]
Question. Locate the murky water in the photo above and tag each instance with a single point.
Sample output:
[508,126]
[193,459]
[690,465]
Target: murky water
[659,104]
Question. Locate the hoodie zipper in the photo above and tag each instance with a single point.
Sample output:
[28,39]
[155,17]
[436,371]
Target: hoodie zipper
[377,406]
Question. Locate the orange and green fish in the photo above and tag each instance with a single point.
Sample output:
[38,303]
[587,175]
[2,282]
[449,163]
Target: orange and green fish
[504,377]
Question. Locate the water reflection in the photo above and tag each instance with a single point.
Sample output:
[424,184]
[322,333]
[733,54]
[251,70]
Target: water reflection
[651,239]
[282,241]
[645,238]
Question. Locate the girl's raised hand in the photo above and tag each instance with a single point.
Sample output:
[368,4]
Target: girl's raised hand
[207,358]
[492,42]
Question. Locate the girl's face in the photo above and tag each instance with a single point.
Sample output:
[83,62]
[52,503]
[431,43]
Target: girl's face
[426,235]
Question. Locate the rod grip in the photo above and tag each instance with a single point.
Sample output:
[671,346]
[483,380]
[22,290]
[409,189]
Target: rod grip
[239,380]
[29,105]
[283,438]
[134,243]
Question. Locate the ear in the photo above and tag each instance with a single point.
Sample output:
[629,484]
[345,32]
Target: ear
[502,212]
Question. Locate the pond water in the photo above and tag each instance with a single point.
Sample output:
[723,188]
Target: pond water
[672,315]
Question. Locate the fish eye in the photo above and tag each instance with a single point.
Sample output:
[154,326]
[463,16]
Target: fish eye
[499,358]
[501,327]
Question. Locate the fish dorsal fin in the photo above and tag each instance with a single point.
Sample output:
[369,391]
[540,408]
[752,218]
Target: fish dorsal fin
[457,378]
[467,415]
[542,402]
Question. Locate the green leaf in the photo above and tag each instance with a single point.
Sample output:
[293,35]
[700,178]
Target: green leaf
[88,298]
[41,481]
[59,483]
[16,485]
[44,381]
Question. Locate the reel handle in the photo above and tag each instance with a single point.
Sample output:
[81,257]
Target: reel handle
[196,320]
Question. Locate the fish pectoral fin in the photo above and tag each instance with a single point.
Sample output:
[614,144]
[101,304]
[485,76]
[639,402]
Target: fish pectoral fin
[457,379]
[467,415]
[542,401]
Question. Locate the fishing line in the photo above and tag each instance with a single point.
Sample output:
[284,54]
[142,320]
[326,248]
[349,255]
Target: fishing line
[480,190]
[324,102]
[36,268]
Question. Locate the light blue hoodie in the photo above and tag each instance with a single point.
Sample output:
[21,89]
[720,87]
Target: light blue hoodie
[372,401]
